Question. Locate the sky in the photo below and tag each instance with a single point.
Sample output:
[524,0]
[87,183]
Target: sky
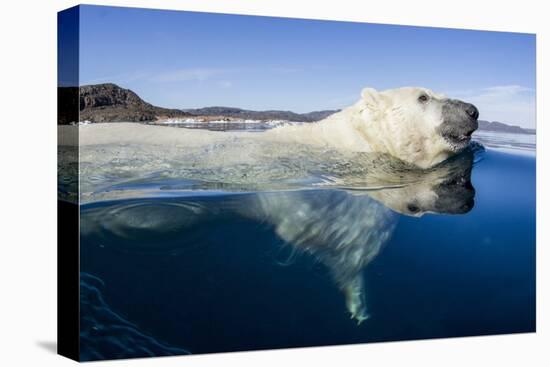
[187,60]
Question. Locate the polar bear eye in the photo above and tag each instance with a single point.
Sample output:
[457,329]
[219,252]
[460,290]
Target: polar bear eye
[413,208]
[423,98]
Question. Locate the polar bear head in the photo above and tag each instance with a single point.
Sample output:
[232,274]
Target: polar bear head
[415,125]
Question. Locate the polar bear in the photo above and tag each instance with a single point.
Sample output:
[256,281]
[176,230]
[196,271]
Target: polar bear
[415,125]
[344,229]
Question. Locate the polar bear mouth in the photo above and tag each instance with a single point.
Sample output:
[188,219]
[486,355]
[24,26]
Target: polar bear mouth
[458,141]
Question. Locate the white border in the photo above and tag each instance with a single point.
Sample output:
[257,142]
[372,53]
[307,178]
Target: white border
[28,151]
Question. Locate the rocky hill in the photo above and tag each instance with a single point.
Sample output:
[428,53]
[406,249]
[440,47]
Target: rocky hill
[111,103]
[239,113]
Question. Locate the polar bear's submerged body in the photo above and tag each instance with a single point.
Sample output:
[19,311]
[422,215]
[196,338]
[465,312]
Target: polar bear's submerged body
[344,230]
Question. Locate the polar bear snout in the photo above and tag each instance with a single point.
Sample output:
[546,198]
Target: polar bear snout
[459,123]
[472,111]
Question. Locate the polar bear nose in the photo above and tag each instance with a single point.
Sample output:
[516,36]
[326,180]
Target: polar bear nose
[472,111]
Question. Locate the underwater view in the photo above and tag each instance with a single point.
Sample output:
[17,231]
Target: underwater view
[186,255]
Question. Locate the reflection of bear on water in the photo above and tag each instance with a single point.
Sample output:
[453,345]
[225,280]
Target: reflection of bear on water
[344,229]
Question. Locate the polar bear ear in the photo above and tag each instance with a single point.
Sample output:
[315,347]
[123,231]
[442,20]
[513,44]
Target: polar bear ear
[375,101]
[370,96]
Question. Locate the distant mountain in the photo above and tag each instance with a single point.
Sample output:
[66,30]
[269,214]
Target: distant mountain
[111,103]
[501,127]
[239,113]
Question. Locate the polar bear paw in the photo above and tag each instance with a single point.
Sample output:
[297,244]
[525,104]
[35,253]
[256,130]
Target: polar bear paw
[355,300]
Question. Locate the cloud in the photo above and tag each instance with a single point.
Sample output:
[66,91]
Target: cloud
[122,78]
[511,104]
[203,74]
[191,74]
[283,70]
[218,76]
[225,84]
[178,75]
[506,90]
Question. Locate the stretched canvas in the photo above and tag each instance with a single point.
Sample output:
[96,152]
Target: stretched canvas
[235,183]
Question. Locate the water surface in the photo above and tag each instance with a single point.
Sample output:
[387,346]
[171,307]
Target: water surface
[188,260]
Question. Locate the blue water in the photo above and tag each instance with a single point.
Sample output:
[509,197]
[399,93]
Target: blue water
[218,271]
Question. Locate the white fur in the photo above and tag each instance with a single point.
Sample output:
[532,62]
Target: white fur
[392,122]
